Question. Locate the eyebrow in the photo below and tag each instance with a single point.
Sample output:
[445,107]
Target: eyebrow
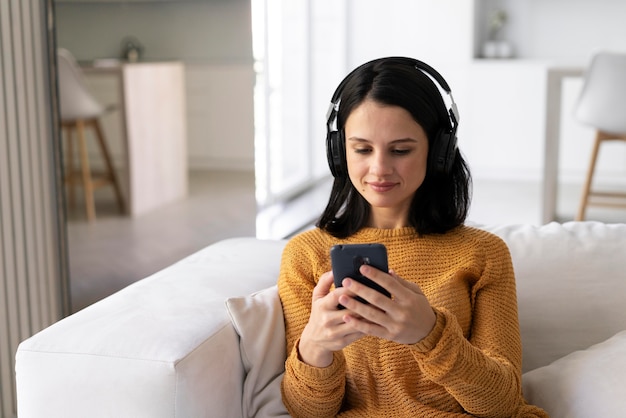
[395,141]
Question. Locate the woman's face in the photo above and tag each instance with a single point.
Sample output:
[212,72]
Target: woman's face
[386,152]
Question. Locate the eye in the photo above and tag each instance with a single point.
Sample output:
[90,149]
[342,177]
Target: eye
[362,150]
[401,151]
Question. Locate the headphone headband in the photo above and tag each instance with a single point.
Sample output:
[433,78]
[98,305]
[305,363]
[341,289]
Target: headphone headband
[419,65]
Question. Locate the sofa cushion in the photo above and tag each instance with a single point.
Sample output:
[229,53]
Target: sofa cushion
[258,319]
[586,383]
[571,285]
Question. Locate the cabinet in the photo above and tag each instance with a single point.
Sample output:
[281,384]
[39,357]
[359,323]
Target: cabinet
[151,103]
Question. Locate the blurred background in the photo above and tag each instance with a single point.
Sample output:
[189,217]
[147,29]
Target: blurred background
[258,77]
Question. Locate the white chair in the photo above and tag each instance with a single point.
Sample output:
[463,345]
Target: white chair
[79,110]
[602,105]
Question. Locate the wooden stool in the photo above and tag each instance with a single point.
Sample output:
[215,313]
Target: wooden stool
[84,176]
[602,198]
[601,106]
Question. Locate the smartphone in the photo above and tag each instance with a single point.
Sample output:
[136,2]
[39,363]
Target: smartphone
[346,259]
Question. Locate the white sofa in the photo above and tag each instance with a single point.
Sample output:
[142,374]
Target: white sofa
[191,341]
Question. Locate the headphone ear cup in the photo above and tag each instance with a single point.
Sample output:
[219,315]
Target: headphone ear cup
[443,151]
[336,153]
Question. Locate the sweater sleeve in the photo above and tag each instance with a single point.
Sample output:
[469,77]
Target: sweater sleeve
[307,391]
[482,372]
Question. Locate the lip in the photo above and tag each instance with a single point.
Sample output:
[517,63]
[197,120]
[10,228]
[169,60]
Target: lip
[382,186]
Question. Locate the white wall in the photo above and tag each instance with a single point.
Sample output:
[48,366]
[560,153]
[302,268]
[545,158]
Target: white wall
[437,32]
[207,31]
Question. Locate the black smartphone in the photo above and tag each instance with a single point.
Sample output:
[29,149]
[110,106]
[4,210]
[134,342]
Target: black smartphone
[346,259]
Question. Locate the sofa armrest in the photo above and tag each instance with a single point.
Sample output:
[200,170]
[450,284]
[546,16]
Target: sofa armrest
[161,347]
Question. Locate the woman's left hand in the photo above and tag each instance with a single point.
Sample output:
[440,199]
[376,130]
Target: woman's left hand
[405,318]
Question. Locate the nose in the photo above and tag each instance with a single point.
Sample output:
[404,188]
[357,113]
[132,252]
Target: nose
[381,164]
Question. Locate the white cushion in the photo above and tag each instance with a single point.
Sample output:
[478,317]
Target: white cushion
[570,278]
[583,384]
[258,319]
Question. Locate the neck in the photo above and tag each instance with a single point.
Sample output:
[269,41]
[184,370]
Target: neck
[384,218]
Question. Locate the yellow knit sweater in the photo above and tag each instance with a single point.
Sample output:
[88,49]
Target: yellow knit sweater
[469,365]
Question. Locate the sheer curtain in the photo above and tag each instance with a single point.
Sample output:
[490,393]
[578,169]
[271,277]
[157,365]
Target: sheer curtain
[33,278]
[300,56]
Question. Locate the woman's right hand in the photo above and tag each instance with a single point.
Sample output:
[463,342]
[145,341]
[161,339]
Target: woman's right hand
[326,331]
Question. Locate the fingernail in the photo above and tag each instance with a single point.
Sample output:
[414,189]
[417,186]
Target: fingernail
[346,282]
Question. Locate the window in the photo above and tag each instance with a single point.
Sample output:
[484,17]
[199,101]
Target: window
[300,56]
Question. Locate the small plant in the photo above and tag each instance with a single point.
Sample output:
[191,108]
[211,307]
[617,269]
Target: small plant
[497,20]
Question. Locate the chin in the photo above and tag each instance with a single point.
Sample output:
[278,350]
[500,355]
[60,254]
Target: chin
[382,204]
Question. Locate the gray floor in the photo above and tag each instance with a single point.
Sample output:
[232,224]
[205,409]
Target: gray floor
[115,251]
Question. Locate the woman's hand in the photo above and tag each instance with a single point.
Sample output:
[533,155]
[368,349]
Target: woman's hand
[326,330]
[406,318]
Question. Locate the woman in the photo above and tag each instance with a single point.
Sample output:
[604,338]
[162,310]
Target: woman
[447,342]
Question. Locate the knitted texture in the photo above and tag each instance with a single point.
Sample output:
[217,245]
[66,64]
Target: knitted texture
[470,363]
